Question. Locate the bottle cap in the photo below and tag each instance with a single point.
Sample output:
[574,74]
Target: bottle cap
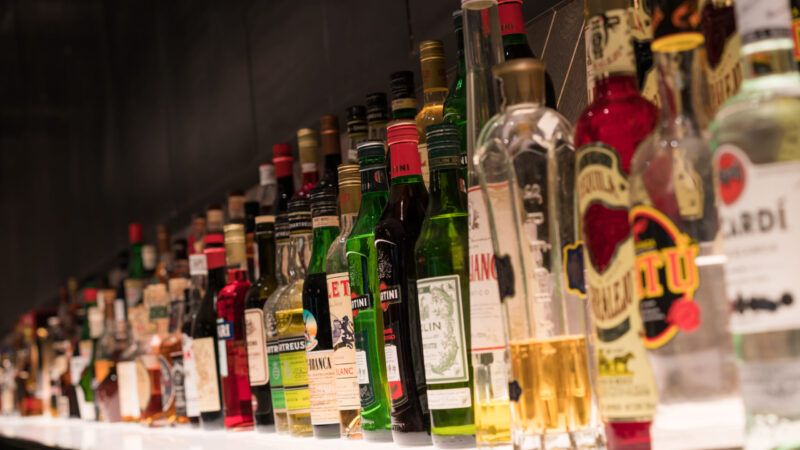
[522,80]
[371,149]
[349,175]
[135,233]
[323,202]
[510,14]
[377,107]
[299,215]
[282,159]
[282,227]
[307,145]
[90,295]
[402,131]
[443,142]
[431,50]
[402,88]
[431,62]
[329,132]
[215,257]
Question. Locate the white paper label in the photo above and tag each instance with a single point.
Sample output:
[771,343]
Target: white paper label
[266,174]
[76,366]
[198,265]
[361,367]
[449,398]
[190,378]
[444,345]
[322,387]
[207,381]
[771,387]
[760,15]
[256,346]
[325,221]
[392,364]
[127,384]
[344,347]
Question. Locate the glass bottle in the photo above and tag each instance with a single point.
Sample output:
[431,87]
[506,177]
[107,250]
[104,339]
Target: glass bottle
[133,382]
[135,267]
[172,351]
[282,254]
[267,187]
[526,165]
[489,354]
[356,131]
[308,147]
[340,307]
[232,343]
[204,344]
[442,269]
[515,41]
[607,134]
[377,116]
[159,406]
[642,36]
[251,211]
[455,106]
[235,246]
[85,358]
[109,349]
[282,160]
[198,284]
[215,218]
[316,315]
[434,91]
[680,265]
[395,234]
[256,298]
[196,234]
[288,316]
[331,151]
[163,270]
[362,262]
[757,163]
[236,206]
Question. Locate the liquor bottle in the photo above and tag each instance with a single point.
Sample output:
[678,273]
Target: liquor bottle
[340,307]
[526,158]
[395,234]
[196,234]
[377,116]
[198,270]
[215,219]
[356,131]
[257,296]
[251,211]
[455,106]
[607,134]
[180,258]
[434,89]
[308,147]
[282,247]
[153,374]
[30,404]
[362,261]
[289,326]
[331,151]
[756,160]
[236,206]
[171,350]
[489,355]
[133,381]
[135,267]
[282,160]
[87,346]
[679,268]
[316,315]
[442,266]
[642,36]
[232,343]
[723,71]
[204,344]
[235,246]
[109,349]
[515,42]
[267,187]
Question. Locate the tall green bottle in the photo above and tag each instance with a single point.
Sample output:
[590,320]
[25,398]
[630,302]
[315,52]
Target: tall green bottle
[455,106]
[443,294]
[362,260]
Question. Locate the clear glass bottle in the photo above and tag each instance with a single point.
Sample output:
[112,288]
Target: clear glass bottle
[434,91]
[526,161]
[756,143]
[680,265]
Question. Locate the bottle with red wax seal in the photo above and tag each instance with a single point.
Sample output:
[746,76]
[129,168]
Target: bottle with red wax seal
[395,235]
[232,343]
[607,134]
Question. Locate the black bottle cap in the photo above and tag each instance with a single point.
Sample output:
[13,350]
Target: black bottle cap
[323,202]
[371,149]
[402,84]
[377,107]
[443,141]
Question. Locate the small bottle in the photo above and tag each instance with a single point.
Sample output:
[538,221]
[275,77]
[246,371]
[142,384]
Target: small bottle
[198,271]
[283,161]
[163,271]
[356,131]
[135,264]
[160,404]
[434,88]
[377,116]
[130,368]
[308,146]
[251,210]
[109,349]
[83,361]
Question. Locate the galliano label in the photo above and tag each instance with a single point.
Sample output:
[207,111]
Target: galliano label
[608,43]
[760,212]
[256,346]
[343,336]
[206,367]
[625,383]
[444,344]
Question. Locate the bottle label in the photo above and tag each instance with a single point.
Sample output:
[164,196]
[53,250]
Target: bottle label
[207,378]
[439,399]
[143,381]
[266,175]
[344,344]
[256,346]
[405,160]
[190,378]
[511,21]
[760,212]
[666,277]
[167,383]
[177,374]
[393,370]
[294,372]
[365,393]
[626,388]
[275,377]
[758,19]
[360,303]
[127,384]
[325,221]
[444,344]
[198,265]
[322,387]
[608,43]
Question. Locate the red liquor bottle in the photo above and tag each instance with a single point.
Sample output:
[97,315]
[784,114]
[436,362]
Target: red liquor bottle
[607,134]
[234,375]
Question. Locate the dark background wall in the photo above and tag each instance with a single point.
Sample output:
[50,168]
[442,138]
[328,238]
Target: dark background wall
[148,110]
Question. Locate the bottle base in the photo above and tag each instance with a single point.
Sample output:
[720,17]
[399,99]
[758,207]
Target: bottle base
[454,441]
[412,439]
[327,431]
[378,435]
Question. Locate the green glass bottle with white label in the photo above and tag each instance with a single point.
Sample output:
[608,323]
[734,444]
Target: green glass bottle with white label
[442,258]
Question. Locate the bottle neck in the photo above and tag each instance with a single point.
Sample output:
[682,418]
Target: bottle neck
[299,250]
[446,193]
[769,64]
[332,162]
[265,240]
[610,53]
[323,237]
[678,91]
[282,248]
[285,192]
[216,281]
[405,166]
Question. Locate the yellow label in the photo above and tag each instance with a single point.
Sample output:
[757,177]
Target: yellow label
[294,372]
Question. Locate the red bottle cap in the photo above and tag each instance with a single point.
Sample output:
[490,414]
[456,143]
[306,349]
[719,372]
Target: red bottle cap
[402,131]
[135,233]
[215,257]
[404,159]
[282,159]
[237,275]
[214,239]
[511,21]
[90,295]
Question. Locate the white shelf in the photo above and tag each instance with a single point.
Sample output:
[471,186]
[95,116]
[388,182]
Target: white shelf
[79,435]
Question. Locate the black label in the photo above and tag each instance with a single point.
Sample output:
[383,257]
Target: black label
[390,295]
[360,303]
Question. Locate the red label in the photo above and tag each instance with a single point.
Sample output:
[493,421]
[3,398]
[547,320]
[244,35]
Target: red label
[732,177]
[511,18]
[405,159]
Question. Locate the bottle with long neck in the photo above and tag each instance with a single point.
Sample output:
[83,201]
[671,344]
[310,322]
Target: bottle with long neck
[109,349]
[308,147]
[757,164]
[251,211]
[395,234]
[442,267]
[171,351]
[196,234]
[674,213]
[377,116]
[235,246]
[515,42]
[340,307]
[607,134]
[282,160]
[87,346]
[434,89]
[483,50]
[331,151]
[198,283]
[316,316]
[356,131]
[267,187]
[204,344]
[135,267]
[282,248]
[364,290]
[159,406]
[455,106]
[257,296]
[288,314]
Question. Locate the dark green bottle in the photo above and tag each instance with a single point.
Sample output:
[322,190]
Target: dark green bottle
[316,315]
[455,106]
[443,293]
[362,260]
